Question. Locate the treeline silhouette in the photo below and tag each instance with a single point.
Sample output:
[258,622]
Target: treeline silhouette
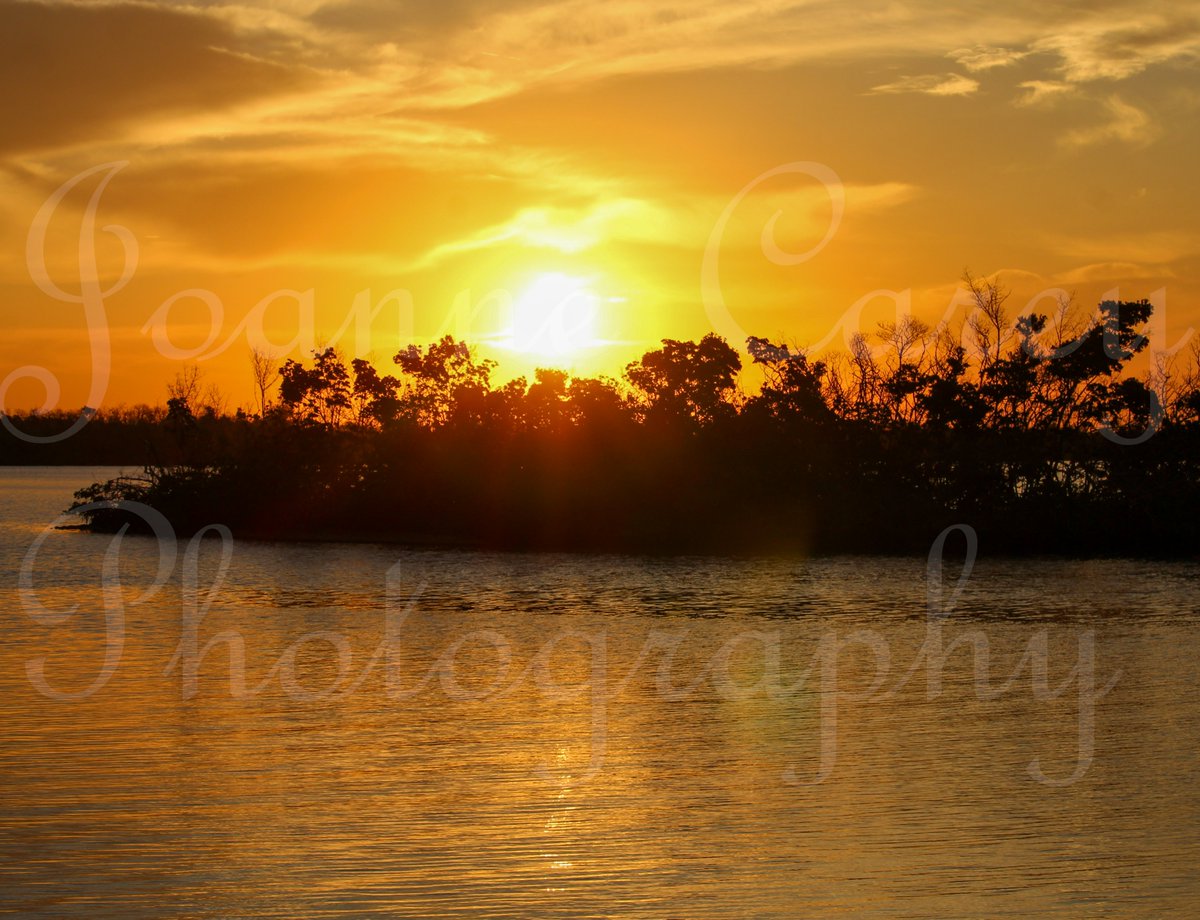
[1031,431]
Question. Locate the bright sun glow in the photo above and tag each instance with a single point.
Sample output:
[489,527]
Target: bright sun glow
[555,315]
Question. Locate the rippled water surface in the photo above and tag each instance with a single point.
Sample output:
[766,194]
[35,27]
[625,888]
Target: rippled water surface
[375,731]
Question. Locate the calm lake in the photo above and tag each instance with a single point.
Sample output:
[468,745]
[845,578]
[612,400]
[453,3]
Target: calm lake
[376,731]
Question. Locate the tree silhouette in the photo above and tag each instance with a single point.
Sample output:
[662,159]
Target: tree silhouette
[1022,429]
[686,381]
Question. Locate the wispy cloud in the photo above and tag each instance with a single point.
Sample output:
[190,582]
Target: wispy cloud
[949,84]
[1043,92]
[987,57]
[345,64]
[1125,123]
[75,73]
[668,222]
[1115,48]
[566,230]
[1116,272]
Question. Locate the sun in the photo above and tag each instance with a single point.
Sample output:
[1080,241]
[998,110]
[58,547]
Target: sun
[555,315]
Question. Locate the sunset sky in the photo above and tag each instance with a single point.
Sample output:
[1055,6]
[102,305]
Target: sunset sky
[490,158]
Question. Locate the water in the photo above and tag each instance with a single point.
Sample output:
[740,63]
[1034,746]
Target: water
[641,757]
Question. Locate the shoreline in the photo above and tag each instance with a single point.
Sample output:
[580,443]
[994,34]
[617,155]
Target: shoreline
[953,548]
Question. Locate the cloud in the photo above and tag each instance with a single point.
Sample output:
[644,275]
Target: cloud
[1104,49]
[81,73]
[1125,123]
[950,84]
[1043,92]
[1116,272]
[985,57]
[567,230]
[608,219]
[211,69]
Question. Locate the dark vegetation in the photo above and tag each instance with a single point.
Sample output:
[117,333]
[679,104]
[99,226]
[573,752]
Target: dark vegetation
[1031,431]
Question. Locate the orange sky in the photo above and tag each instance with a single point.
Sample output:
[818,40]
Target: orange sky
[458,154]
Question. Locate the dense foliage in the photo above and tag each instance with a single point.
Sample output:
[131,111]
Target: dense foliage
[1031,431]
